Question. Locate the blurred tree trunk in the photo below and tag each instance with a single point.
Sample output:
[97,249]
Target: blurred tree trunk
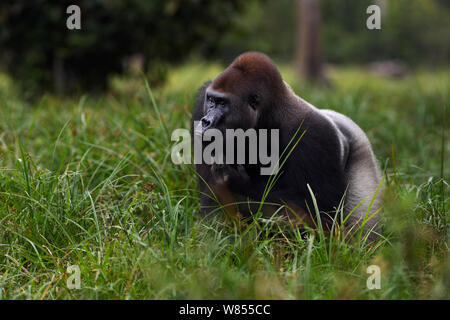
[308,57]
[59,75]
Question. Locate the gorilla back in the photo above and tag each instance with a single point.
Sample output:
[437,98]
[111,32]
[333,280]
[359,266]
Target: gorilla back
[333,157]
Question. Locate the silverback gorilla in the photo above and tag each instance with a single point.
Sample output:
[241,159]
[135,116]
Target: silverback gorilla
[333,159]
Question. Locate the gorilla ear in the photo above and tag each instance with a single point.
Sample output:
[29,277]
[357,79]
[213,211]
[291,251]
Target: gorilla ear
[253,101]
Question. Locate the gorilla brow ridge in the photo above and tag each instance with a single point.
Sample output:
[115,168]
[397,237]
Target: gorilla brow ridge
[260,65]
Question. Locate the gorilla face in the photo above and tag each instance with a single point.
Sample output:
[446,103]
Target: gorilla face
[229,110]
[241,94]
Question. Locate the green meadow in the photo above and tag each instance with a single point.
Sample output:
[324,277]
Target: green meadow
[88,181]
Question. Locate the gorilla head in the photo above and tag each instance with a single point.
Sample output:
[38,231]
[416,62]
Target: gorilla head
[242,93]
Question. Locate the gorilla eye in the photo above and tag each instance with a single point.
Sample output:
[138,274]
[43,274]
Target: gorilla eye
[253,101]
[220,101]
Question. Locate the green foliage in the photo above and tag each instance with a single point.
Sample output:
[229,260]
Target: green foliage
[266,26]
[89,181]
[34,39]
[411,30]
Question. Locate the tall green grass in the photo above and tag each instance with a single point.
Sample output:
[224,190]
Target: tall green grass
[89,181]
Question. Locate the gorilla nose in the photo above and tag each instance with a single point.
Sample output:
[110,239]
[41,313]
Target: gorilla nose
[205,123]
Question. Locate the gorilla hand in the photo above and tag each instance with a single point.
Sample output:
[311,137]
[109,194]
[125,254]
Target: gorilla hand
[230,174]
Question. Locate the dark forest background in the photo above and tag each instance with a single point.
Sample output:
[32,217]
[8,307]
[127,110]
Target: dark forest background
[42,54]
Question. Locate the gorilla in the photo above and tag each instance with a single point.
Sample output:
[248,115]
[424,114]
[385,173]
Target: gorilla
[328,165]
